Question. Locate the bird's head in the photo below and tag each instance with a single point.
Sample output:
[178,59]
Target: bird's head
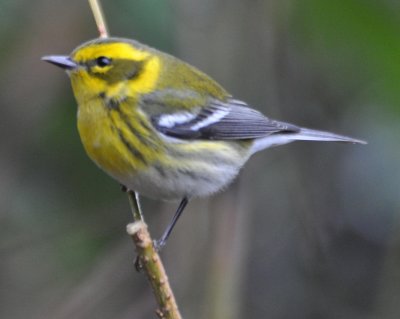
[109,67]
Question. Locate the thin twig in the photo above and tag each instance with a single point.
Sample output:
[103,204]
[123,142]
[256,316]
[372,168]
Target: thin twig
[99,18]
[151,263]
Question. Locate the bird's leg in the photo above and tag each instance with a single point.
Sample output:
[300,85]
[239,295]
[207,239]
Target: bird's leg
[134,202]
[137,215]
[159,244]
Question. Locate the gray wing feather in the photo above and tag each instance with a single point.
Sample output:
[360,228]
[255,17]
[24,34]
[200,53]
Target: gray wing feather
[229,120]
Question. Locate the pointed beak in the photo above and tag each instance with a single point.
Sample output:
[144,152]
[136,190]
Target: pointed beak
[63,61]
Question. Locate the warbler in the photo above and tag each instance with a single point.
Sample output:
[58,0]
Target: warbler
[163,128]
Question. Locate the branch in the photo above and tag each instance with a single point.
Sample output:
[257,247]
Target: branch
[99,18]
[151,263]
[149,260]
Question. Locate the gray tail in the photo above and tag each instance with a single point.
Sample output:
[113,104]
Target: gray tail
[301,134]
[306,134]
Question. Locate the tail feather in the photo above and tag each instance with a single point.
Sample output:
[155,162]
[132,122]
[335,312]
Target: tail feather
[304,134]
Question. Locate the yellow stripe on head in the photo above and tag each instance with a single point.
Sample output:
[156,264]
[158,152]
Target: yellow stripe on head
[129,68]
[115,50]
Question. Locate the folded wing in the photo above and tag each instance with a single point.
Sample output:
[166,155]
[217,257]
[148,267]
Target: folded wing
[231,120]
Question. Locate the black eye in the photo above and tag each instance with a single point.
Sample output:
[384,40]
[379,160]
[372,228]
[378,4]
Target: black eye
[103,61]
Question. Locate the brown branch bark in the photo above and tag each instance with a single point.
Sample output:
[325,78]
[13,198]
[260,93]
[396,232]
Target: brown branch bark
[151,264]
[99,18]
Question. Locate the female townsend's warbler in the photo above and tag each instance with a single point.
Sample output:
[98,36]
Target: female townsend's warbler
[163,128]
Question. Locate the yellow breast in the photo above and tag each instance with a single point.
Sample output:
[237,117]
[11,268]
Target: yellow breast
[115,139]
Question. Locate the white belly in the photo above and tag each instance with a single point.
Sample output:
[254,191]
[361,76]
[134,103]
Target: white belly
[171,184]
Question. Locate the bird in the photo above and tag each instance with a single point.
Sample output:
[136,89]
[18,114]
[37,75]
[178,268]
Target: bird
[163,128]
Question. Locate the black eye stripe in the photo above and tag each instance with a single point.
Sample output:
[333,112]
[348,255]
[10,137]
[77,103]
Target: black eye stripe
[103,61]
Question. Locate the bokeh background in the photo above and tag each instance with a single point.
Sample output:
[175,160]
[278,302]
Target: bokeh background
[309,230]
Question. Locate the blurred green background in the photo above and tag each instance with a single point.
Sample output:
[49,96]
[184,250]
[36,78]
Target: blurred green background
[309,230]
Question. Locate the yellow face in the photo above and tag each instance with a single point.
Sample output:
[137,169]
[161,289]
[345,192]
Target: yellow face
[115,70]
